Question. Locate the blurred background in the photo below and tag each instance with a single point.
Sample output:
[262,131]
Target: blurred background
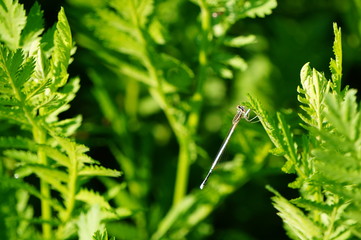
[127,129]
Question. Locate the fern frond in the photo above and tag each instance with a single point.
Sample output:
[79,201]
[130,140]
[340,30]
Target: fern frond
[53,153]
[313,205]
[258,8]
[63,46]
[22,156]
[94,170]
[92,198]
[239,41]
[12,22]
[336,64]
[344,115]
[17,142]
[56,178]
[30,35]
[269,125]
[101,236]
[298,224]
[312,95]
[66,127]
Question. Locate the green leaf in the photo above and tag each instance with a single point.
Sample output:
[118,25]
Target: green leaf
[17,142]
[101,236]
[89,223]
[344,115]
[98,171]
[313,205]
[59,157]
[54,177]
[297,223]
[30,36]
[239,41]
[269,124]
[10,63]
[312,95]
[258,8]
[92,198]
[63,46]
[289,145]
[25,72]
[336,64]
[12,22]
[22,156]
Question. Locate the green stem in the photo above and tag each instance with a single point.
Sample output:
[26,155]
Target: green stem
[73,174]
[182,171]
[71,192]
[40,138]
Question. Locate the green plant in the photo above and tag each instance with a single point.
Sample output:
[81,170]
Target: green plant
[325,158]
[34,91]
[149,63]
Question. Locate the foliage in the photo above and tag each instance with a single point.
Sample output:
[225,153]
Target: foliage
[325,158]
[157,78]
[144,60]
[34,90]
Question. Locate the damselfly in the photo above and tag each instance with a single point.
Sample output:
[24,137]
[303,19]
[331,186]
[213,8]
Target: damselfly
[242,112]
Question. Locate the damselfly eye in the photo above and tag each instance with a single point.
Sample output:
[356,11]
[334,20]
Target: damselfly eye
[240,108]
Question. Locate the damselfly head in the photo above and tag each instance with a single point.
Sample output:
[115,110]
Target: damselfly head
[241,108]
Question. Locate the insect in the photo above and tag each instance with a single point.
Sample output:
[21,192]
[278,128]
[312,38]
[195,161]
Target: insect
[242,112]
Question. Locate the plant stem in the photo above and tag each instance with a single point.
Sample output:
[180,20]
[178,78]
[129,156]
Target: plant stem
[73,174]
[182,171]
[40,138]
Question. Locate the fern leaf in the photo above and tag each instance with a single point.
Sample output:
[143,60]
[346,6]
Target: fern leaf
[56,155]
[25,72]
[289,145]
[297,223]
[17,184]
[12,22]
[53,177]
[336,64]
[90,222]
[22,156]
[312,205]
[98,171]
[344,115]
[30,36]
[269,125]
[314,88]
[90,197]
[239,41]
[17,142]
[10,63]
[67,127]
[258,8]
[62,49]
[101,236]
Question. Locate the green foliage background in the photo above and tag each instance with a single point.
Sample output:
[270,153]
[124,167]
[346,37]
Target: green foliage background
[159,82]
